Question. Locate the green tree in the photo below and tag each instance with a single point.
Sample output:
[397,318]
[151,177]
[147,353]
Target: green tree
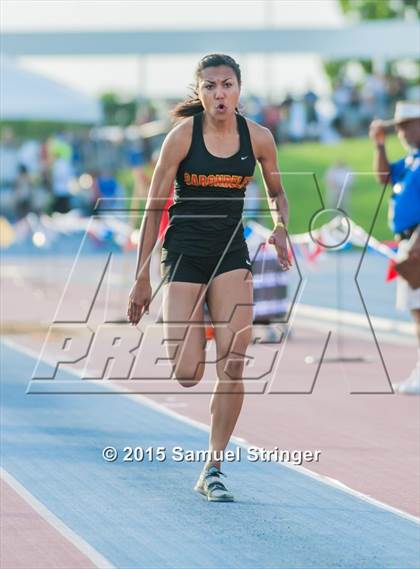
[379,9]
[116,111]
[369,10]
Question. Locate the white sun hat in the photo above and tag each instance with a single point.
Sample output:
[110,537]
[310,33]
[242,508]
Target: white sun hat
[404,111]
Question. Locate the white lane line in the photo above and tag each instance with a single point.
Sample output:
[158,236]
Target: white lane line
[349,331]
[82,545]
[143,400]
[356,319]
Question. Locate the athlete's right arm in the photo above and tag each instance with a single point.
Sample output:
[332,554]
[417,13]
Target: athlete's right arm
[174,150]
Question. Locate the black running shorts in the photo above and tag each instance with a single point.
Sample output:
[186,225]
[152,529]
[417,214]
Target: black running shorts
[180,267]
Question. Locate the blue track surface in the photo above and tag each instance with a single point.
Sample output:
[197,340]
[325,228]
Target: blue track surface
[145,515]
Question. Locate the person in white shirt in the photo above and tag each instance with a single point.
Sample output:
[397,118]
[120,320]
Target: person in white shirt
[62,175]
[339,181]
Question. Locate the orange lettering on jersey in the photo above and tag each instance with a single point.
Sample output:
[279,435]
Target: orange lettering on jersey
[216,180]
[236,181]
[245,181]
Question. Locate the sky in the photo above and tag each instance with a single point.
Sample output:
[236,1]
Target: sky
[170,75]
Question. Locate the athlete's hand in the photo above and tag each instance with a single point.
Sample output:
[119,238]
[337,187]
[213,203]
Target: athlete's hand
[377,131]
[139,300]
[278,238]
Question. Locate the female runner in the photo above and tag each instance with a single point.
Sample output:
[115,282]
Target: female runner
[211,155]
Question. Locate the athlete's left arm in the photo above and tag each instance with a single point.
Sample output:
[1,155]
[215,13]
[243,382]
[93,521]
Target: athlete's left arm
[266,154]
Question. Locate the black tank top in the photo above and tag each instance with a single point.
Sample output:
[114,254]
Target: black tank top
[206,216]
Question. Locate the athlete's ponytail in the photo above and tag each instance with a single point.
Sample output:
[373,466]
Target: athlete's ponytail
[192,105]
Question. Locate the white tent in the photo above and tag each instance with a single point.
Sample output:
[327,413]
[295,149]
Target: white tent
[25,95]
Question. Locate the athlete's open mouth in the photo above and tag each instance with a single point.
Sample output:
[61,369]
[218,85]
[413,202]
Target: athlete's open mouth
[221,107]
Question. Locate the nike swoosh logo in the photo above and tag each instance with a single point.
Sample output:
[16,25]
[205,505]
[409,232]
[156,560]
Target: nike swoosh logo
[244,157]
[247,262]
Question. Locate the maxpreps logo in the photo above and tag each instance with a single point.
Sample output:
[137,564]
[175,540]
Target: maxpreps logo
[216,180]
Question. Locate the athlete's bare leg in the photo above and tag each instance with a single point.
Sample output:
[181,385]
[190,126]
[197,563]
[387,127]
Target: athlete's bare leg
[183,319]
[229,299]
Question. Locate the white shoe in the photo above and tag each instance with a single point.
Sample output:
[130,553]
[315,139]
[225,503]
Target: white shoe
[210,485]
[410,386]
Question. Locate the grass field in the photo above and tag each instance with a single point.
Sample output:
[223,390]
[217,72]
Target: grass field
[300,164]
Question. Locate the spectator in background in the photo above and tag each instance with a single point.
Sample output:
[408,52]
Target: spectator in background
[23,192]
[397,87]
[77,156]
[310,99]
[404,211]
[373,98]
[108,190]
[284,118]
[45,165]
[341,97]
[30,157]
[255,109]
[8,171]
[136,158]
[352,120]
[271,119]
[62,174]
[297,121]
[339,180]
